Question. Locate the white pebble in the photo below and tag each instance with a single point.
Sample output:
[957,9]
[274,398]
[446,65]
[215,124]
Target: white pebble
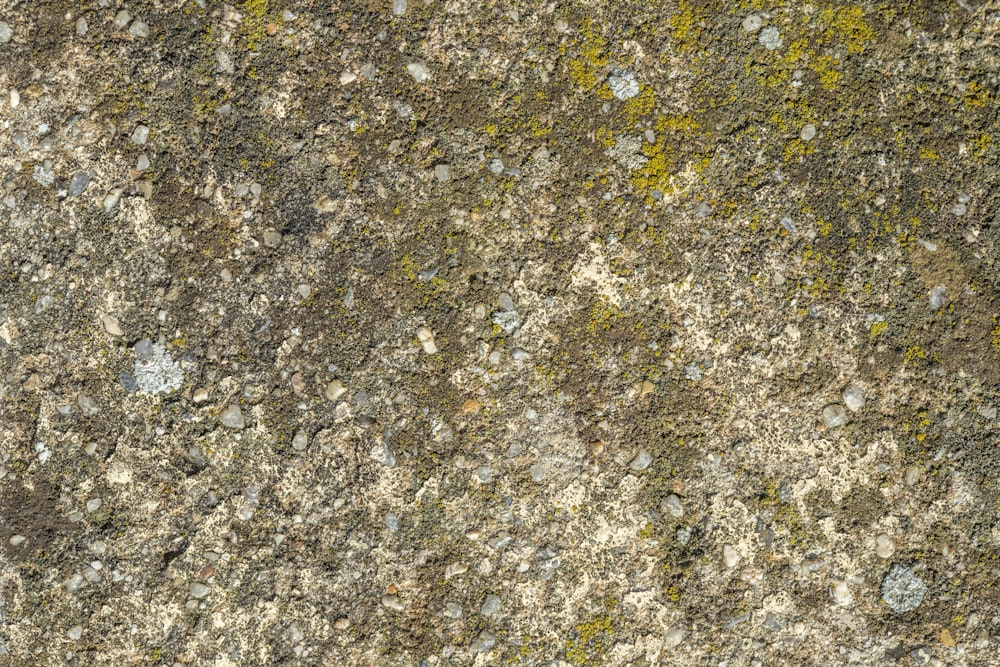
[641,460]
[426,338]
[841,594]
[808,132]
[6,32]
[232,417]
[140,134]
[122,19]
[75,632]
[730,556]
[111,325]
[138,30]
[335,390]
[854,397]
[87,405]
[347,77]
[884,548]
[834,415]
[142,164]
[938,296]
[418,72]
[199,590]
[674,636]
[300,440]
[94,504]
[398,7]
[112,199]
[17,539]
[752,23]
[392,602]
[442,172]
[673,506]
[81,26]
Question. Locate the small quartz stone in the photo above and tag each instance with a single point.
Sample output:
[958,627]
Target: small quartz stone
[232,417]
[200,395]
[16,540]
[300,441]
[841,594]
[854,397]
[674,636]
[884,548]
[808,132]
[442,172]
[140,134]
[75,632]
[138,30]
[398,7]
[334,390]
[78,183]
[672,504]
[392,602]
[111,325]
[730,556]
[641,460]
[94,504]
[142,164]
[199,590]
[6,32]
[834,415]
[491,605]
[426,338]
[418,72]
[452,610]
[272,239]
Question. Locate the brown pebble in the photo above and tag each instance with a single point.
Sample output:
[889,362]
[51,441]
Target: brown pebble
[341,624]
[471,405]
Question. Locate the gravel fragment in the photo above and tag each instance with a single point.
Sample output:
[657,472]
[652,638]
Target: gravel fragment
[484,642]
[808,132]
[834,415]
[884,547]
[641,460]
[139,135]
[854,397]
[426,338]
[673,505]
[78,183]
[752,23]
[6,32]
[232,417]
[199,590]
[418,72]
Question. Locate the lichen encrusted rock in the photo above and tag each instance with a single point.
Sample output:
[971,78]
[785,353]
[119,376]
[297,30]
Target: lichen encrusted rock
[155,372]
[903,590]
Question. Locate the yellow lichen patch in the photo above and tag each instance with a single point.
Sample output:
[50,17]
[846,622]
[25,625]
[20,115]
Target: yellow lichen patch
[929,154]
[975,96]
[685,24]
[583,71]
[825,69]
[877,329]
[592,640]
[847,25]
[255,22]
[641,105]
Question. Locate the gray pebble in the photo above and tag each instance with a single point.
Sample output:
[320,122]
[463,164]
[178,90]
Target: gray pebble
[78,183]
[232,417]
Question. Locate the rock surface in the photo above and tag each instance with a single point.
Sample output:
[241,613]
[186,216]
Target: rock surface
[414,332]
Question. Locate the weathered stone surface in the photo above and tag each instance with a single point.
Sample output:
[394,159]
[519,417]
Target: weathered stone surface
[416,332]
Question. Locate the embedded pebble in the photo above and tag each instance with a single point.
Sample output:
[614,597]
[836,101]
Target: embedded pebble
[491,605]
[808,132]
[111,325]
[418,72]
[392,602]
[674,636]
[673,505]
[854,397]
[334,390]
[834,415]
[442,172]
[884,547]
[752,23]
[232,417]
[16,540]
[938,296]
[138,30]
[300,440]
[78,183]
[641,460]
[94,504]
[730,556]
[452,610]
[841,594]
[6,32]
[426,338]
[199,590]
[398,7]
